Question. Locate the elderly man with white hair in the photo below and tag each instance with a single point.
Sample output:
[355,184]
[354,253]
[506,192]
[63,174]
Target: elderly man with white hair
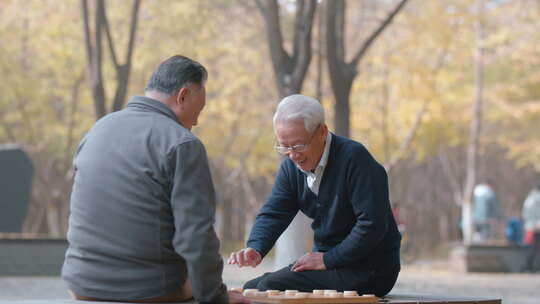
[336,182]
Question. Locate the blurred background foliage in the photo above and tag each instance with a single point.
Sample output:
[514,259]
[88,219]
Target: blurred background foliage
[411,102]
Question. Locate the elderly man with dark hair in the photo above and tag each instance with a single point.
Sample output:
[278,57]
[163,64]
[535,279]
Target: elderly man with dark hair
[336,182]
[143,205]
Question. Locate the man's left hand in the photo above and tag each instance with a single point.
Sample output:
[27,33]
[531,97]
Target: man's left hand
[309,261]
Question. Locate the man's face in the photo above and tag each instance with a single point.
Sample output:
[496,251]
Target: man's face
[293,133]
[194,100]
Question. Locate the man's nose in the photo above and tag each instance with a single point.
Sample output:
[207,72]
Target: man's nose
[294,156]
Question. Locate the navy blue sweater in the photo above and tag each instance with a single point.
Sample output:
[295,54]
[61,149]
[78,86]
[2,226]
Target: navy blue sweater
[352,219]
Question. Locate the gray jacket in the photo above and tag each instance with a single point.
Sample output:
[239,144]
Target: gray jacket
[142,210]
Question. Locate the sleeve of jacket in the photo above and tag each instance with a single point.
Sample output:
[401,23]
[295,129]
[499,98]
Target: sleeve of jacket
[368,193]
[193,204]
[276,214]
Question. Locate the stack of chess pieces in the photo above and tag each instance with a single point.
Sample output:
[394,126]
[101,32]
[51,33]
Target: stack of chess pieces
[295,294]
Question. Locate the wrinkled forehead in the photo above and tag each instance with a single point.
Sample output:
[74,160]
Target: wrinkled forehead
[297,125]
[291,132]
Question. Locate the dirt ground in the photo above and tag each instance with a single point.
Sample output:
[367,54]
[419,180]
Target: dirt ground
[425,277]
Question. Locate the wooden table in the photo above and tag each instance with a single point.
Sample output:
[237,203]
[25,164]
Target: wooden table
[433,299]
[394,298]
[390,299]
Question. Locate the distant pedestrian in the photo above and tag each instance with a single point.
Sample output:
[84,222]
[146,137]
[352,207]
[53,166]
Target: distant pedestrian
[514,231]
[531,216]
[486,211]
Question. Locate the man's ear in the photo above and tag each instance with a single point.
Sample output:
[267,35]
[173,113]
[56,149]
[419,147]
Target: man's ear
[180,97]
[324,127]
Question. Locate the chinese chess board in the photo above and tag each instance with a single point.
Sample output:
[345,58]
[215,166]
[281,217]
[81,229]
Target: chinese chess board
[315,297]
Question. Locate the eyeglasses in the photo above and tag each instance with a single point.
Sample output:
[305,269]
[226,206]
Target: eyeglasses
[296,148]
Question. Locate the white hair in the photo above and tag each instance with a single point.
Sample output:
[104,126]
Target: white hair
[300,107]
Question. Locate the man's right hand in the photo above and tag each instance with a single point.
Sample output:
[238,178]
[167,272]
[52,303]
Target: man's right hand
[245,257]
[236,297]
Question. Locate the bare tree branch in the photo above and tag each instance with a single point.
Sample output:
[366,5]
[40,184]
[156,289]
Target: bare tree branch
[109,38]
[86,30]
[475,127]
[335,11]
[302,52]
[406,143]
[132,31]
[279,56]
[123,71]
[452,177]
[369,41]
[320,56]
[94,55]
[289,71]
[95,60]
[297,30]
[342,74]
[72,121]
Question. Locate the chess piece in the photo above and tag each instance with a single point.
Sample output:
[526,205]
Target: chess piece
[329,293]
[261,294]
[250,292]
[290,292]
[301,295]
[318,292]
[350,293]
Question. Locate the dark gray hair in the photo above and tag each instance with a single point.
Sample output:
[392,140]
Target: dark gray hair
[300,107]
[176,73]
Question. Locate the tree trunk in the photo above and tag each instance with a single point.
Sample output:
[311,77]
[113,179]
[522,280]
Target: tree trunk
[94,56]
[123,71]
[320,56]
[289,70]
[289,73]
[342,73]
[342,111]
[476,124]
[294,242]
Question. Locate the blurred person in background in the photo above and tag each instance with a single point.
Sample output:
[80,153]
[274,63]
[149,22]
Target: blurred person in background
[486,211]
[531,217]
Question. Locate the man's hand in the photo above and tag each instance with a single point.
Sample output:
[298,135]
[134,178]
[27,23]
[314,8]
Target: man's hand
[237,297]
[245,257]
[309,261]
